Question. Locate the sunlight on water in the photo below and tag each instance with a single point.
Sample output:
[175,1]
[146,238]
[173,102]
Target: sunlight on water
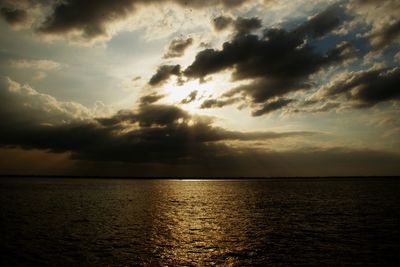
[172,222]
[202,224]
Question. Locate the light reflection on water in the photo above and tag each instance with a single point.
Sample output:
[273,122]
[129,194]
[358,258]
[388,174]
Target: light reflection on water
[178,222]
[197,223]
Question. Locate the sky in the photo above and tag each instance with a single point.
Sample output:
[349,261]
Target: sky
[210,88]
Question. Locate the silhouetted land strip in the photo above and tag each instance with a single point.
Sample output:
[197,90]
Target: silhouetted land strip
[190,178]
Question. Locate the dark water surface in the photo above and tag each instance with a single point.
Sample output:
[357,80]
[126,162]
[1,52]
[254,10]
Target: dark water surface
[65,222]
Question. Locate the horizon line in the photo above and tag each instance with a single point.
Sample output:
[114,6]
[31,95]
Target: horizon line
[191,177]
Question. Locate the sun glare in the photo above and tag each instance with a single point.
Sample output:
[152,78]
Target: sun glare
[190,95]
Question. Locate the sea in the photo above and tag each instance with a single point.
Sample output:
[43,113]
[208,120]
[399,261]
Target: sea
[232,222]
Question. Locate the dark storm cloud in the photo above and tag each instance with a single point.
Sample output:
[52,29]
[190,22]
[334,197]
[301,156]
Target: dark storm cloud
[276,64]
[91,18]
[367,88]
[190,98]
[246,25]
[261,89]
[161,115]
[272,106]
[148,115]
[279,54]
[240,25]
[14,16]
[163,73]
[152,133]
[177,47]
[164,134]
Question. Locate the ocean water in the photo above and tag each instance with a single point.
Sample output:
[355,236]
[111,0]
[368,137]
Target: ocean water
[274,222]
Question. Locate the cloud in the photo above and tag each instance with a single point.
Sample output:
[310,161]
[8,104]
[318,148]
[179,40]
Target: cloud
[14,17]
[328,106]
[322,23]
[386,35]
[190,98]
[215,103]
[177,47]
[278,54]
[88,18]
[240,25]
[23,104]
[164,72]
[160,115]
[91,19]
[37,64]
[366,87]
[148,116]
[381,17]
[272,106]
[274,65]
[246,56]
[157,135]
[246,25]
[150,99]
[397,57]
[221,23]
[40,76]
[261,90]
[152,133]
